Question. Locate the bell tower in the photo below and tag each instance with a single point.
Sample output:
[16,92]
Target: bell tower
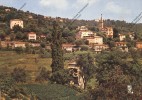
[101,23]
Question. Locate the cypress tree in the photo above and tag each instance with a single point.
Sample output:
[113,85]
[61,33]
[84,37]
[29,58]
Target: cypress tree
[56,46]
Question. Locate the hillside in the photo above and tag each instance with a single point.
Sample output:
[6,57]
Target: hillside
[42,24]
[45,58]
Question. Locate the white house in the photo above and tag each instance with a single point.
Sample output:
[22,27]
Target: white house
[95,40]
[15,22]
[32,36]
[85,34]
[19,44]
[108,31]
[99,47]
[122,37]
[68,47]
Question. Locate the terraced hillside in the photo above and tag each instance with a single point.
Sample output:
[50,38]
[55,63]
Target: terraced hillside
[31,62]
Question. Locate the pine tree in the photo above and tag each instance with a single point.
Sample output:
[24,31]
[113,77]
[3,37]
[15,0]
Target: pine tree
[56,46]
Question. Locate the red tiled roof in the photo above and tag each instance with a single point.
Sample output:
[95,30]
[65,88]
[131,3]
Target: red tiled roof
[31,33]
[67,45]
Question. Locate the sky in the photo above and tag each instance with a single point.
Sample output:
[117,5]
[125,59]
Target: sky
[126,10]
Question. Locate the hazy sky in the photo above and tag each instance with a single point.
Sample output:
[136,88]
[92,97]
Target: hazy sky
[111,9]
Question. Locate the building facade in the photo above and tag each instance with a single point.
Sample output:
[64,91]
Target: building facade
[15,22]
[32,36]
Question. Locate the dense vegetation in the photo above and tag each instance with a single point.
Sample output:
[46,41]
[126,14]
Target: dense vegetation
[107,75]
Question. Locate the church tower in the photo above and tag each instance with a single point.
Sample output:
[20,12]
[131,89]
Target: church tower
[101,23]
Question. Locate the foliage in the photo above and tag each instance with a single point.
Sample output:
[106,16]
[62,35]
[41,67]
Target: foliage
[56,46]
[43,75]
[86,63]
[116,70]
[20,36]
[19,50]
[17,28]
[79,42]
[19,74]
[9,88]
[61,77]
[45,53]
[69,56]
[84,48]
[43,44]
[53,92]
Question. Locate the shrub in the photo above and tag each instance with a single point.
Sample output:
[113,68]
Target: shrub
[19,74]
[19,50]
[43,75]
[61,77]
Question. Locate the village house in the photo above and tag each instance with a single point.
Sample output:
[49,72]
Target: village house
[99,47]
[122,37]
[68,47]
[15,22]
[35,44]
[139,45]
[131,36]
[7,10]
[46,17]
[7,38]
[42,37]
[30,16]
[82,28]
[122,46]
[6,44]
[95,40]
[32,36]
[84,33]
[19,44]
[78,78]
[108,31]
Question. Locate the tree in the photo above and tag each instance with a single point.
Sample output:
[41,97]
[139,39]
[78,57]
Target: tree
[19,35]
[86,63]
[43,75]
[79,42]
[43,44]
[116,70]
[61,77]
[116,33]
[19,74]
[17,28]
[19,50]
[84,48]
[56,46]
[11,90]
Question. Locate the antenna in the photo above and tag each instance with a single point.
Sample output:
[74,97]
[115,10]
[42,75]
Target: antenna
[136,20]
[22,6]
[76,16]
[79,13]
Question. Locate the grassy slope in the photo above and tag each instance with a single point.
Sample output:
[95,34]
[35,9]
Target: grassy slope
[53,92]
[10,60]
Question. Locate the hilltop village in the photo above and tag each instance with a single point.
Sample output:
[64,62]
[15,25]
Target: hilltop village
[17,34]
[101,58]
